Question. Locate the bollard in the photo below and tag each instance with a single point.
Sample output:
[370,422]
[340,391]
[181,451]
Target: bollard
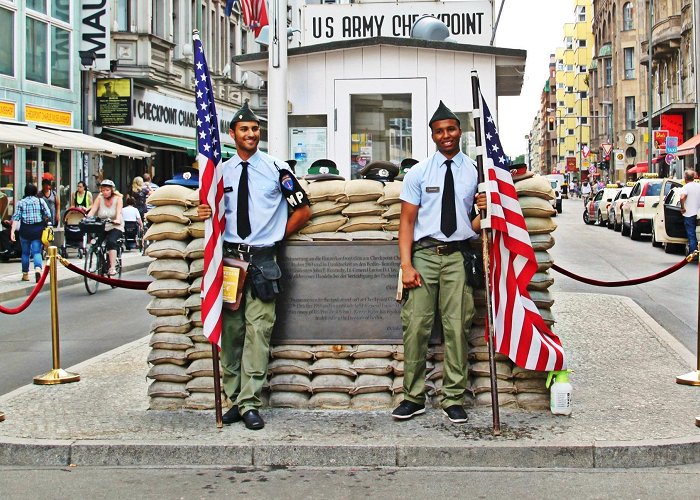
[57,375]
[2,417]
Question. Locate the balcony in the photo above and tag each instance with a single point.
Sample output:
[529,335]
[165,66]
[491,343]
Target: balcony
[144,57]
[666,37]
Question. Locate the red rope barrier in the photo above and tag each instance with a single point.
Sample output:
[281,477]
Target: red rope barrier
[130,284]
[30,298]
[635,281]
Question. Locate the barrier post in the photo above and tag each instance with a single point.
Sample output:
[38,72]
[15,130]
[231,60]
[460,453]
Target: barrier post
[2,416]
[57,375]
[693,378]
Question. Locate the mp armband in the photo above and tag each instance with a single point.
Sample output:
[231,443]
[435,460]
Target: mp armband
[292,191]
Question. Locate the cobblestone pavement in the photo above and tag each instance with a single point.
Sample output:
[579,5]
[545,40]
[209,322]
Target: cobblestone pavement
[624,395]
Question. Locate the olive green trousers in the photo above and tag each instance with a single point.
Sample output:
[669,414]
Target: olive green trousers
[443,289]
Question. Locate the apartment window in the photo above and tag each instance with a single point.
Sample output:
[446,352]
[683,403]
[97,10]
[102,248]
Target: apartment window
[583,120]
[629,63]
[123,15]
[581,14]
[608,71]
[583,94]
[569,131]
[569,89]
[630,121]
[569,42]
[48,47]
[582,69]
[581,43]
[7,36]
[569,111]
[158,18]
[569,67]
[627,16]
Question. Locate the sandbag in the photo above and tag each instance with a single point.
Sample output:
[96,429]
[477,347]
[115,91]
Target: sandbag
[166,307]
[167,372]
[324,223]
[166,249]
[167,213]
[169,194]
[168,269]
[167,231]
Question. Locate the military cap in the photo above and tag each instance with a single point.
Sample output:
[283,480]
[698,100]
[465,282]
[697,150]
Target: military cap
[323,170]
[443,113]
[519,171]
[383,171]
[245,114]
[406,165]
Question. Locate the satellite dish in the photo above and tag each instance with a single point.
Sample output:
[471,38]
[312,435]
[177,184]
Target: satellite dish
[430,28]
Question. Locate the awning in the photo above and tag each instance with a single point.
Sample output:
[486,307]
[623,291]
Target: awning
[25,136]
[106,147]
[167,142]
[688,147]
[639,168]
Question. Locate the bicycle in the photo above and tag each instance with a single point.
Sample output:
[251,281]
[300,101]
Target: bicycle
[96,258]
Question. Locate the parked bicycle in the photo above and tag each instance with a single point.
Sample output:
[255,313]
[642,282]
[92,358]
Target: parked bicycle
[96,259]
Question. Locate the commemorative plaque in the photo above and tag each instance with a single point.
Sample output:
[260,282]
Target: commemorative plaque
[339,293]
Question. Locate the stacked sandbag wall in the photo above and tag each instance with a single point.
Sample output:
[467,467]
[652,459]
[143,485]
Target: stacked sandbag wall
[324,376]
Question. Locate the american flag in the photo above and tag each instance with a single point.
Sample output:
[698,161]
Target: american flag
[254,13]
[211,192]
[520,332]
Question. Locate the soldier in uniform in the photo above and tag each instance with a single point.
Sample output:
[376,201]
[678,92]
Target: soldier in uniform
[258,191]
[437,218]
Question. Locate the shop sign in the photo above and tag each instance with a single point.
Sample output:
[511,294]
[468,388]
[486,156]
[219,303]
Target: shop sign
[95,29]
[8,110]
[571,164]
[49,116]
[468,22]
[156,113]
[660,139]
[113,97]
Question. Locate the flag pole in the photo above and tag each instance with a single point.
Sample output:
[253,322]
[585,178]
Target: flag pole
[217,385]
[485,249]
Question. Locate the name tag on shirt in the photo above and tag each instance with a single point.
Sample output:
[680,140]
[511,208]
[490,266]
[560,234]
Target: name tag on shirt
[432,189]
[228,189]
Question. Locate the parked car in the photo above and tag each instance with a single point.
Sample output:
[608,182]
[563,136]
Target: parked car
[668,228]
[556,181]
[638,212]
[615,208]
[596,210]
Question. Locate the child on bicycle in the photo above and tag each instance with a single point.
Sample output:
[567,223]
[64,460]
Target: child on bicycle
[109,206]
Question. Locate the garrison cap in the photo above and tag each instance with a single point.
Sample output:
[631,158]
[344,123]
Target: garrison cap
[245,114]
[383,171]
[406,165]
[443,113]
[323,170]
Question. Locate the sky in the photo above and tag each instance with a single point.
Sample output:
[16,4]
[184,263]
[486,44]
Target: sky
[538,27]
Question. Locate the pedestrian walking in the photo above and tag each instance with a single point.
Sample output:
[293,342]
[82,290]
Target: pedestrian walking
[31,216]
[690,204]
[82,198]
[437,219]
[140,192]
[48,193]
[258,191]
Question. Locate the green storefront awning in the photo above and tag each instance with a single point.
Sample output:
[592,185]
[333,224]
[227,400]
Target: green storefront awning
[171,143]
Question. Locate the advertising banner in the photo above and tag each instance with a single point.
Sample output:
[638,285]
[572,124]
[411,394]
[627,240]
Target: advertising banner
[571,164]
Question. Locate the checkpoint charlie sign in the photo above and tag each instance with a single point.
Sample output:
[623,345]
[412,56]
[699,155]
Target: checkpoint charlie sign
[468,22]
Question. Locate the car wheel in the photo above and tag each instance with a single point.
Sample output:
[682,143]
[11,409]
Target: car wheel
[634,230]
[624,228]
[586,218]
[654,242]
[600,220]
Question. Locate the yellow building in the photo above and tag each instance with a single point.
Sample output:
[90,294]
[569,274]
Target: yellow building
[572,106]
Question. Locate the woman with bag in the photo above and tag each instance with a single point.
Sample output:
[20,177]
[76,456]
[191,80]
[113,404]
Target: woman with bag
[51,198]
[29,220]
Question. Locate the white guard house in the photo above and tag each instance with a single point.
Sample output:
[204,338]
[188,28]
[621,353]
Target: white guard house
[360,89]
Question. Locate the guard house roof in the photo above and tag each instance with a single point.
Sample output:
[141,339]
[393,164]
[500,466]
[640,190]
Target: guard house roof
[510,63]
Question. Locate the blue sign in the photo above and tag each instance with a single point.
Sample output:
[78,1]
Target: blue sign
[672,145]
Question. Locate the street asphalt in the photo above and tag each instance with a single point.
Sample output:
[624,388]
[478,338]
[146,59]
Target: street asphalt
[628,411]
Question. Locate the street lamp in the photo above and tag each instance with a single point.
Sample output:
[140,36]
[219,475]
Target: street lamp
[557,115]
[529,146]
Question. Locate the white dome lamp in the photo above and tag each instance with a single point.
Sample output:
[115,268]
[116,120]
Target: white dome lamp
[430,28]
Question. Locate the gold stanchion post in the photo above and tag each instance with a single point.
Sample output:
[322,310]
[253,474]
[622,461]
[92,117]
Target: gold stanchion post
[693,378]
[2,416]
[57,375]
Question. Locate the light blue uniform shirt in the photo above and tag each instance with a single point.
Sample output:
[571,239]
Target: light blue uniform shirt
[423,186]
[266,206]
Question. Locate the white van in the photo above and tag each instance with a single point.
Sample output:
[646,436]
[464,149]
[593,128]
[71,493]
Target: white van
[556,180]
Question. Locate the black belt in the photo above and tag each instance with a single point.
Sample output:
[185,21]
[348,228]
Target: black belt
[439,247]
[246,252]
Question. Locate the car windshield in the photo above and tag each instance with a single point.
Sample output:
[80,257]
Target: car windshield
[653,189]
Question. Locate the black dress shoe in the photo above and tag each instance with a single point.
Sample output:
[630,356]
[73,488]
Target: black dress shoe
[232,416]
[253,420]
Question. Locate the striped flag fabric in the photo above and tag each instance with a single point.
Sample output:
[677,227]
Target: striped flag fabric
[211,192]
[520,332]
[254,13]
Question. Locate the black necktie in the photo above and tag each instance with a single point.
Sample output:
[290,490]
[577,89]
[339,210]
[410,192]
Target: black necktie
[243,217]
[448,219]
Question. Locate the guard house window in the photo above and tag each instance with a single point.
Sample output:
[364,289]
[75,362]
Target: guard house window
[630,122]
[629,63]
[7,36]
[627,17]
[381,129]
[48,47]
[607,63]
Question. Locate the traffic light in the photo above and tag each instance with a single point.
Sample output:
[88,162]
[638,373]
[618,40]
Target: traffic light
[551,123]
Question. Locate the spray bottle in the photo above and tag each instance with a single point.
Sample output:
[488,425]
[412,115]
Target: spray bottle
[560,392]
